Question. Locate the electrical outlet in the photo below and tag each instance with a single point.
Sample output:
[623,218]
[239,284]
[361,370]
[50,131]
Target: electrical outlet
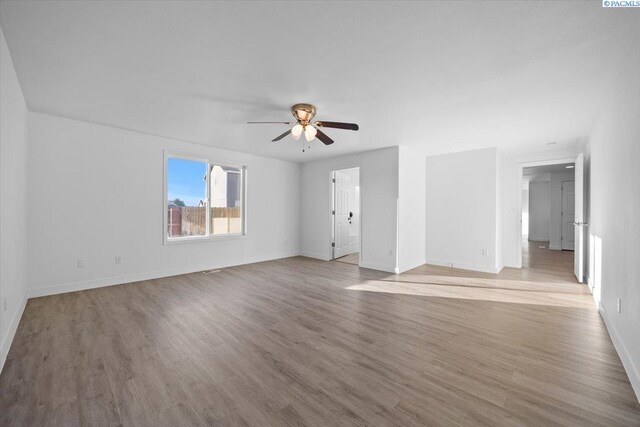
[4,303]
[619,306]
[485,252]
[80,263]
[390,252]
[118,259]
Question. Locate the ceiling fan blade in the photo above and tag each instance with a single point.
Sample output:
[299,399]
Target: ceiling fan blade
[278,138]
[338,125]
[323,137]
[260,123]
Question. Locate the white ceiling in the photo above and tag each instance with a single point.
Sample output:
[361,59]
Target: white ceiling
[442,76]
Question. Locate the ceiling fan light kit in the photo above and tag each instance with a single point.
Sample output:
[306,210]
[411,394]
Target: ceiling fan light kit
[303,114]
[310,133]
[296,131]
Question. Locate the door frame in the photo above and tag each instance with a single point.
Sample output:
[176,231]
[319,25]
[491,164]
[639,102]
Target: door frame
[332,228]
[520,169]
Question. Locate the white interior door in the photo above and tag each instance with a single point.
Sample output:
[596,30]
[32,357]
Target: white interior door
[568,214]
[579,224]
[341,214]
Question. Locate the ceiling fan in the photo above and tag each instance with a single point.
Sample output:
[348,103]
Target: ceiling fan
[303,114]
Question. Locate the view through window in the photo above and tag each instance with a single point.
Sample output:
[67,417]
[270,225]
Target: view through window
[203,199]
[226,200]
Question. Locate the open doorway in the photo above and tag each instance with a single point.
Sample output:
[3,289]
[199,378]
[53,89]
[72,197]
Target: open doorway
[346,216]
[548,216]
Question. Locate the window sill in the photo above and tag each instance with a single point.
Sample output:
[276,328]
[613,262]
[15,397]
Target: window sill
[194,239]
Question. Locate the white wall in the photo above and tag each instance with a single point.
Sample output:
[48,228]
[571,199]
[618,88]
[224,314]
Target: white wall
[461,210]
[511,195]
[96,192]
[555,210]
[13,200]
[379,198]
[411,209]
[539,211]
[614,213]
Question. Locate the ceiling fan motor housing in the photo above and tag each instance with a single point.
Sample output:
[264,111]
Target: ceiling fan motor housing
[303,113]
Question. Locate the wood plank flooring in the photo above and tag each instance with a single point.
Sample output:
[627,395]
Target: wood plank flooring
[349,259]
[305,342]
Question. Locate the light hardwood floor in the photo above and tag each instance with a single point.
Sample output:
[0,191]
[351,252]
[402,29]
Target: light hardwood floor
[306,342]
[349,259]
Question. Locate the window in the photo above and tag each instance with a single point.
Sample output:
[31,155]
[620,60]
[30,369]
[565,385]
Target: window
[226,200]
[204,199]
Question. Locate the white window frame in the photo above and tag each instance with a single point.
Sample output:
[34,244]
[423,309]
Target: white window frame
[207,237]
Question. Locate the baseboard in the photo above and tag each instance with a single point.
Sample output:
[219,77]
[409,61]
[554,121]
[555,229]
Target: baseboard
[464,266]
[316,255]
[137,277]
[555,247]
[499,269]
[625,357]
[379,267]
[11,332]
[538,239]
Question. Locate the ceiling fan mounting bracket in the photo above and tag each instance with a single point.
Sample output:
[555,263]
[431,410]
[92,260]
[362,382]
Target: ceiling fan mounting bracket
[303,113]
